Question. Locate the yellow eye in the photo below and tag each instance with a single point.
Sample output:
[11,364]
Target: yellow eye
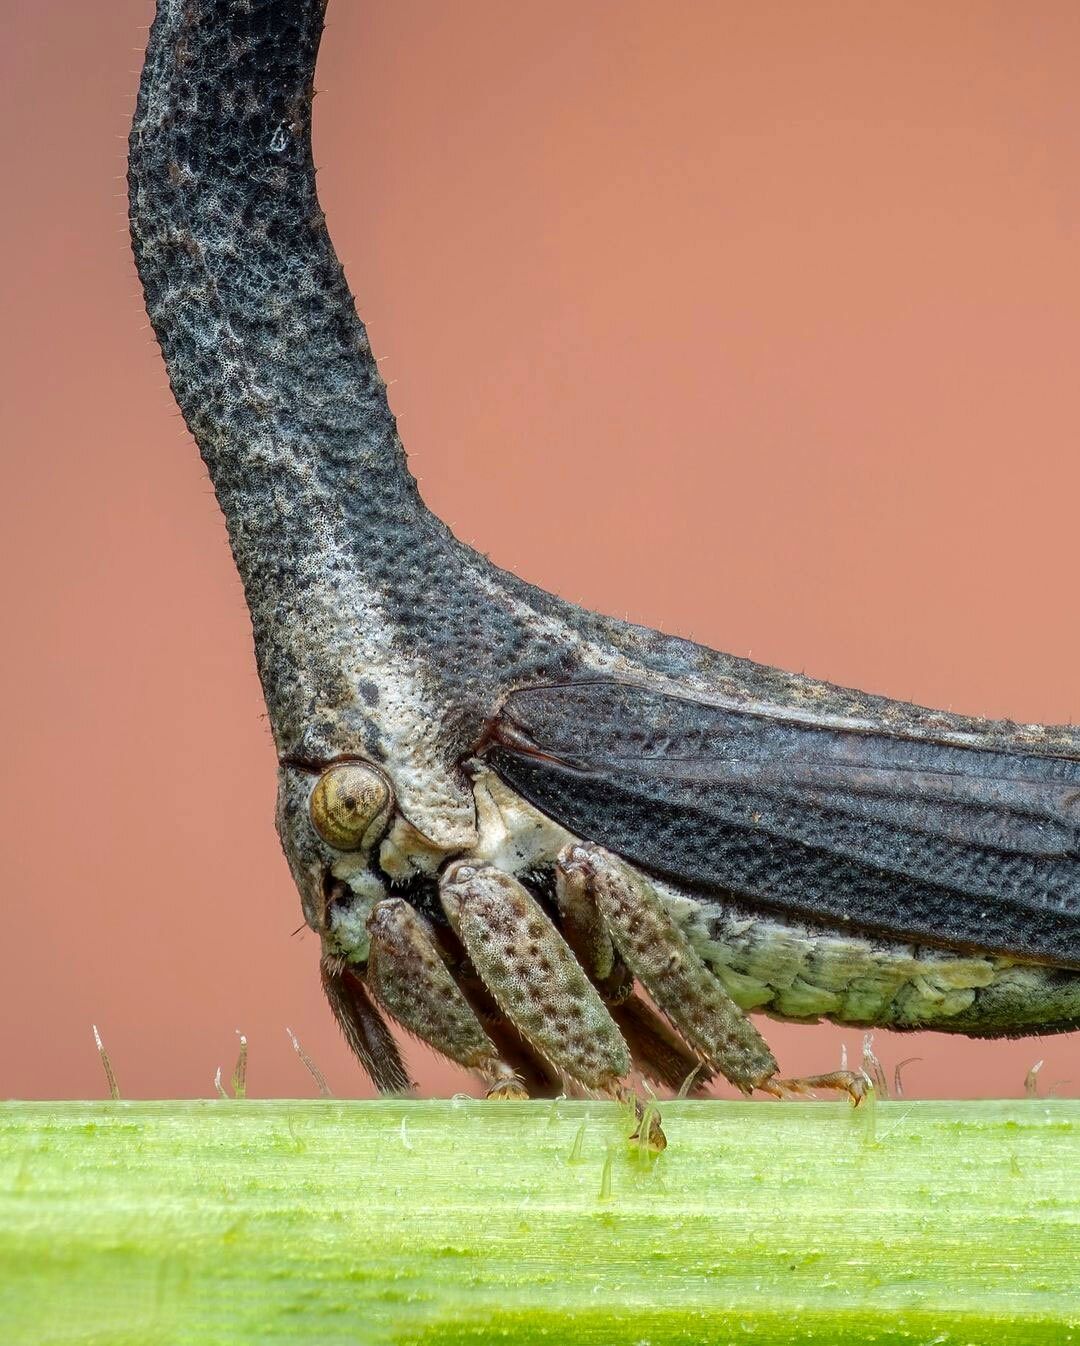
[350,801]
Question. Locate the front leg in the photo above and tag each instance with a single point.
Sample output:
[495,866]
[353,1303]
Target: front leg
[408,975]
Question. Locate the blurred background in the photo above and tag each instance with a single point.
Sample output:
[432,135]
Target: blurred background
[758,323]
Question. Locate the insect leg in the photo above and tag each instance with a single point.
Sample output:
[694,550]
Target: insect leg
[538,1075]
[534,978]
[407,974]
[854,1083]
[656,1051]
[584,930]
[538,983]
[667,965]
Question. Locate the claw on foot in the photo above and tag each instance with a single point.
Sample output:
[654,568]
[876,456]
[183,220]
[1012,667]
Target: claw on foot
[854,1083]
[647,1132]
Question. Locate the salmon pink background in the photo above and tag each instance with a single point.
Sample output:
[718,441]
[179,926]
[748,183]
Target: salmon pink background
[759,323]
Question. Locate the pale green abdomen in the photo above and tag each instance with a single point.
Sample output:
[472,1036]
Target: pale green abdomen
[793,971]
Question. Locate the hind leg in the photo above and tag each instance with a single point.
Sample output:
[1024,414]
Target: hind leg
[660,955]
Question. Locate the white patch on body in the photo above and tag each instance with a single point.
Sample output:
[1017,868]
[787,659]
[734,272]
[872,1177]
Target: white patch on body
[408,714]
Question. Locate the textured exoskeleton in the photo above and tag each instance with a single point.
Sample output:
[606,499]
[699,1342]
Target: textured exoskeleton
[509,818]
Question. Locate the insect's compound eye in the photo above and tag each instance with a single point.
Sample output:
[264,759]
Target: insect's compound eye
[350,802]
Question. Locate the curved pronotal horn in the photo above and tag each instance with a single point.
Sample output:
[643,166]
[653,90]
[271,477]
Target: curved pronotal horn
[267,358]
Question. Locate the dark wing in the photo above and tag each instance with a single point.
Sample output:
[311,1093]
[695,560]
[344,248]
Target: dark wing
[929,840]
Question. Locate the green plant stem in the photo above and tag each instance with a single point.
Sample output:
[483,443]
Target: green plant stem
[135,1224]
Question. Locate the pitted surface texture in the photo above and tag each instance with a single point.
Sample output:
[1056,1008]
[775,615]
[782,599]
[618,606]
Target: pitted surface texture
[808,838]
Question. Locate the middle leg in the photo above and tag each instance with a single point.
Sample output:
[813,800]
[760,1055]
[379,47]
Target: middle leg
[535,979]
